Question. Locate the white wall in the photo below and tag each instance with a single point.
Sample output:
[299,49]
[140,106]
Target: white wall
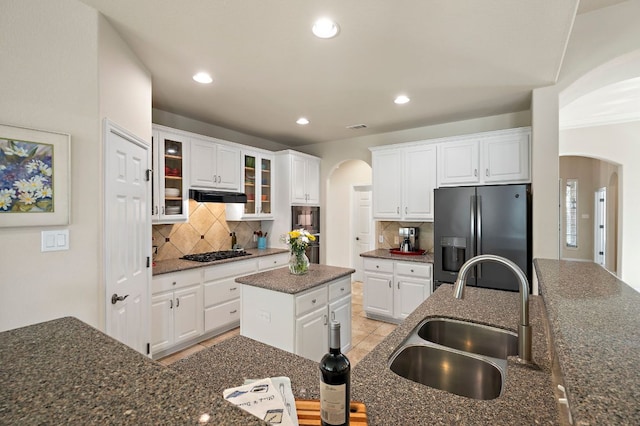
[190,125]
[54,78]
[49,69]
[619,143]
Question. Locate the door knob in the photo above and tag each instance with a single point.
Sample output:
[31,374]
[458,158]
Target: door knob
[115,298]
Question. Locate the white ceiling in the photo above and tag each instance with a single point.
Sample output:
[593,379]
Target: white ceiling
[455,59]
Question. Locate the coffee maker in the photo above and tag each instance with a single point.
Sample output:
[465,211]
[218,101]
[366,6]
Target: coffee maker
[409,239]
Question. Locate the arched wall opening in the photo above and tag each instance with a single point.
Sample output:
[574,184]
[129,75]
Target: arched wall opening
[338,214]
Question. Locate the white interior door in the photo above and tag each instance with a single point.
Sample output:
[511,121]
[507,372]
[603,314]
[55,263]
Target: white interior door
[600,223]
[127,237]
[363,228]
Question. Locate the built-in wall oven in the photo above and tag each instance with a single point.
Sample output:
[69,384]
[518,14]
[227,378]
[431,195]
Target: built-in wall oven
[308,218]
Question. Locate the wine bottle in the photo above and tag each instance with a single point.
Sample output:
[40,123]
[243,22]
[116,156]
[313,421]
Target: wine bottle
[335,382]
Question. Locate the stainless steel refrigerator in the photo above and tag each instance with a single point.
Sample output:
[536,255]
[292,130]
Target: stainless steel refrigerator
[470,221]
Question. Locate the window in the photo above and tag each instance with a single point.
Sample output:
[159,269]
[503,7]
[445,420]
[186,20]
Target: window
[571,213]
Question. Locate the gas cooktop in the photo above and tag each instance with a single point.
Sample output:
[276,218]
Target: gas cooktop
[215,255]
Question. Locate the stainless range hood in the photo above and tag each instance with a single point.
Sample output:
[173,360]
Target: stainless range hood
[211,196]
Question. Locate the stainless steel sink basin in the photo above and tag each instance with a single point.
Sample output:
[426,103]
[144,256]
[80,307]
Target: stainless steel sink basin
[469,337]
[448,370]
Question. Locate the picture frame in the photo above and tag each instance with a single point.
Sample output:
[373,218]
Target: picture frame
[34,177]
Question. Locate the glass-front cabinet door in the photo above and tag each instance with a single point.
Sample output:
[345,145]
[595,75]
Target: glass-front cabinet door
[257,182]
[170,193]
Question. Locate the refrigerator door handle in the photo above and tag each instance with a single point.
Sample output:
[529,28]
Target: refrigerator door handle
[472,227]
[479,236]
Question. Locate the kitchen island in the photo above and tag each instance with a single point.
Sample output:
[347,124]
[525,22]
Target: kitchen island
[292,312]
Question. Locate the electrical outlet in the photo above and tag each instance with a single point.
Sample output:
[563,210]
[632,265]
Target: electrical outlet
[396,240]
[381,239]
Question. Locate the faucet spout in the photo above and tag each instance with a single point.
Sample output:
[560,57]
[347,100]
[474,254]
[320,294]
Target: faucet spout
[524,328]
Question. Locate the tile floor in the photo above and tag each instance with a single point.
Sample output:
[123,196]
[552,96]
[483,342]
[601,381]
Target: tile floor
[365,333]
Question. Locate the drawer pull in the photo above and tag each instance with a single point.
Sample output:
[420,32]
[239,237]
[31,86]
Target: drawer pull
[412,271]
[341,288]
[377,266]
[173,283]
[313,301]
[233,288]
[234,311]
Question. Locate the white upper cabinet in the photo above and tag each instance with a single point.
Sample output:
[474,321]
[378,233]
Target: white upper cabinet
[403,182]
[488,158]
[506,158]
[169,202]
[214,165]
[301,172]
[458,163]
[305,180]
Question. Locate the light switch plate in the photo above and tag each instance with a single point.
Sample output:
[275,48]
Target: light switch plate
[55,240]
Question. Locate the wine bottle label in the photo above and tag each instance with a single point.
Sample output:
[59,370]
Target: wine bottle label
[332,403]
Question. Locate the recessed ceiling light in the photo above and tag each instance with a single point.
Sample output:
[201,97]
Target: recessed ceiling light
[325,28]
[402,99]
[302,121]
[203,77]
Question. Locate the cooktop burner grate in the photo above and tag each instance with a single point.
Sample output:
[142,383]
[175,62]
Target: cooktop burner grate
[215,255]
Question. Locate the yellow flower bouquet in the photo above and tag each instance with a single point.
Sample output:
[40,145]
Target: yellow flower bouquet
[298,240]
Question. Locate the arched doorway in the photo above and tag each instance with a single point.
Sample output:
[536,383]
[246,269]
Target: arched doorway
[339,211]
[580,218]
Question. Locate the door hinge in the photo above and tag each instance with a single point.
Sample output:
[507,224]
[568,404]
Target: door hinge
[148,174]
[148,348]
[601,253]
[148,261]
[601,226]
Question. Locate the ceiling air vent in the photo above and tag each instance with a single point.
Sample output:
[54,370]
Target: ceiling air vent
[357,126]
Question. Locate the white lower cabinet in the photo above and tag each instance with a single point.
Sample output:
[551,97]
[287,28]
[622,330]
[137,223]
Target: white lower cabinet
[197,304]
[176,309]
[272,262]
[393,289]
[297,323]
[222,294]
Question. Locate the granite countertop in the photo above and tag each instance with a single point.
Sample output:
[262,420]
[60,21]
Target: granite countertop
[283,281]
[595,326]
[385,254]
[176,265]
[67,372]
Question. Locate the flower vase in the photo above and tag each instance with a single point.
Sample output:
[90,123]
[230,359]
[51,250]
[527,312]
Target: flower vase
[298,263]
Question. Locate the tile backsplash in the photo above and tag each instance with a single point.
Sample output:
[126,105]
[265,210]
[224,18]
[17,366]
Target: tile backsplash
[389,231]
[206,230]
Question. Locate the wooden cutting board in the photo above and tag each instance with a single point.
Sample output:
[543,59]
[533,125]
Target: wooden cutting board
[309,413]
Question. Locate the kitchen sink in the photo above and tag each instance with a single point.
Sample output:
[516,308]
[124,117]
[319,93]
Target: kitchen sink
[456,356]
[448,370]
[469,337]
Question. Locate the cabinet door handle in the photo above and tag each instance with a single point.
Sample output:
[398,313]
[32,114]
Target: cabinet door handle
[234,311]
[341,288]
[162,209]
[219,179]
[486,172]
[398,285]
[325,319]
[171,304]
[313,301]
[389,283]
[398,209]
[406,210]
[177,302]
[233,288]
[173,283]
[333,316]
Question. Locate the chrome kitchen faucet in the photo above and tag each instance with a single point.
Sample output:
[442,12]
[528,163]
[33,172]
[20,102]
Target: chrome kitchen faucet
[524,329]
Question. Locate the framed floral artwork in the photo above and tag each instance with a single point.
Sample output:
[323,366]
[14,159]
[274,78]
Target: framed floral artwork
[34,177]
